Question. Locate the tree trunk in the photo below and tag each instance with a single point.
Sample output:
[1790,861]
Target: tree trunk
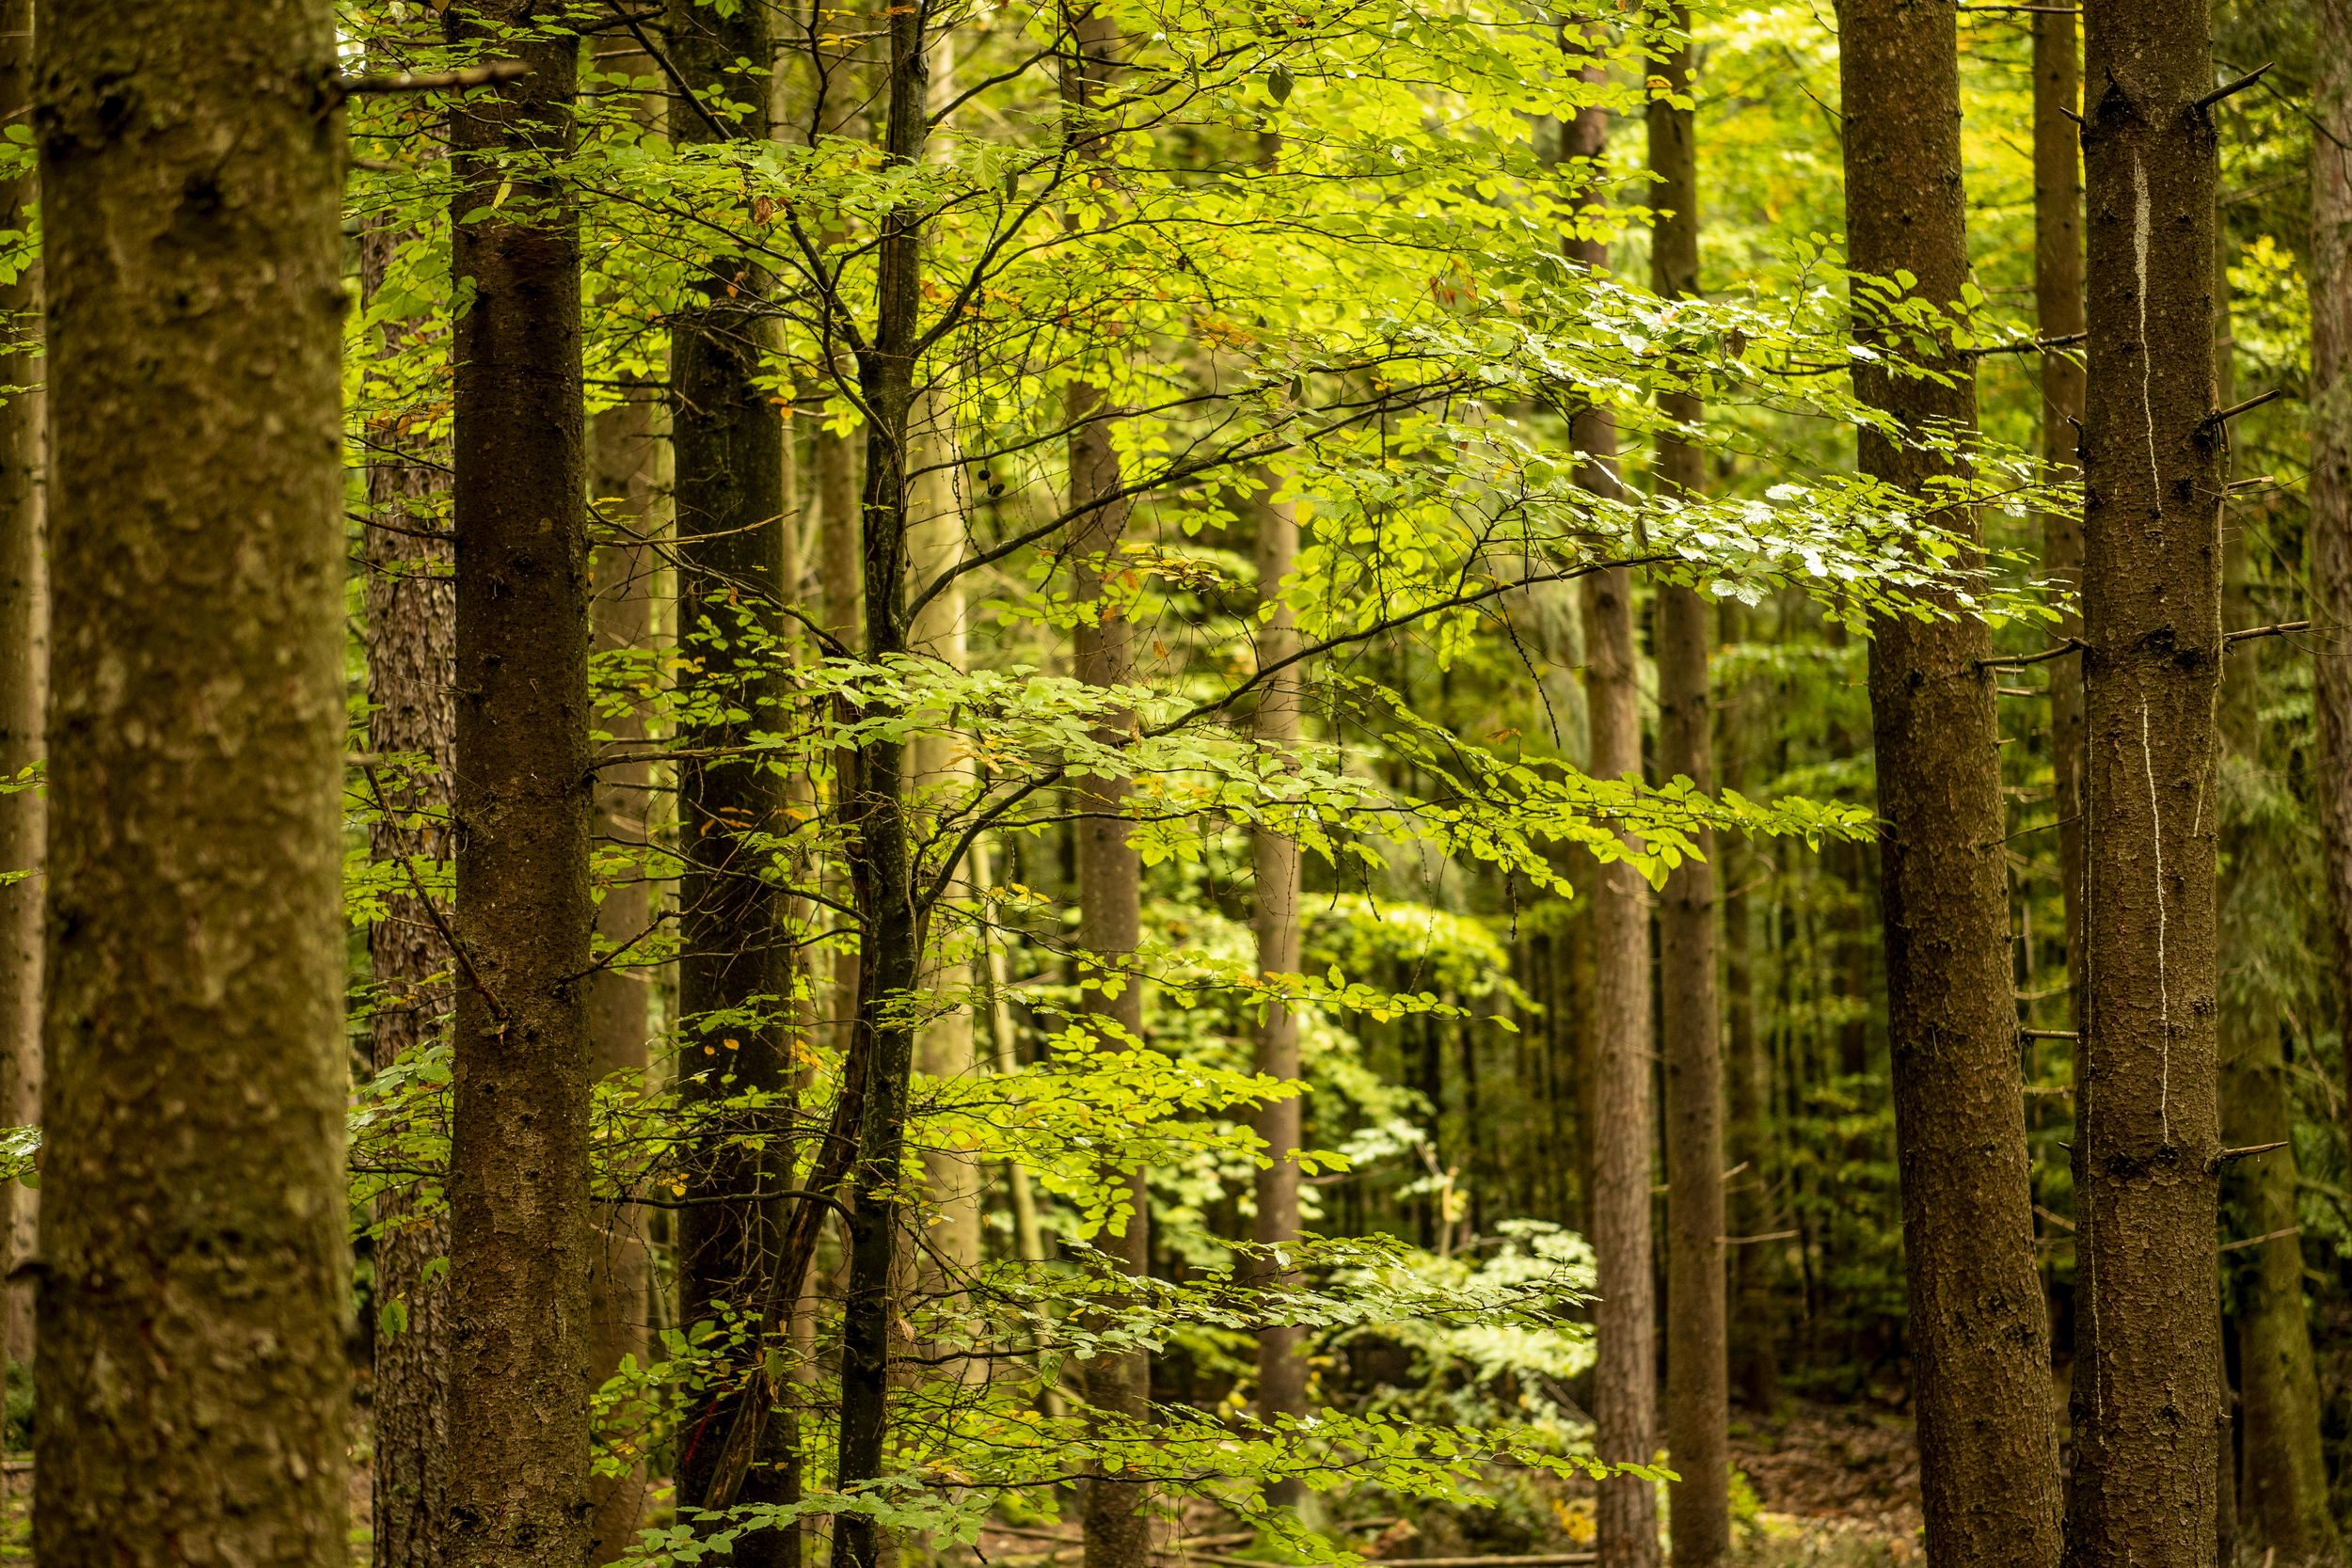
[1979,1327]
[194,1394]
[1110,874]
[1625,1391]
[1698,1389]
[2330,493]
[411,644]
[518,1153]
[1274,920]
[2146,1145]
[1754,1361]
[876,818]
[2057,291]
[735,972]
[24,679]
[623,462]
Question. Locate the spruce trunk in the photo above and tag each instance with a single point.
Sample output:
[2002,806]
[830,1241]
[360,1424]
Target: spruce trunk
[2147,1135]
[2330,493]
[193,1283]
[519,1219]
[23,676]
[1979,1327]
[1698,1389]
[411,645]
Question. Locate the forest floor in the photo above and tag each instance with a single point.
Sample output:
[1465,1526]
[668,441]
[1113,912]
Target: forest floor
[1832,1486]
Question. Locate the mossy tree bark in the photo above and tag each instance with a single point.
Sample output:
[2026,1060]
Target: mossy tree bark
[194,1298]
[2146,1134]
[1698,1389]
[519,1219]
[1988,1459]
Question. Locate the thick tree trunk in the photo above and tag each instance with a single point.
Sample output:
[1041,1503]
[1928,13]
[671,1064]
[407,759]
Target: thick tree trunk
[623,465]
[2331,403]
[2057,292]
[24,677]
[411,645]
[1979,1324]
[735,971]
[519,1216]
[1274,920]
[195,1394]
[2147,1136]
[1698,1389]
[1625,1389]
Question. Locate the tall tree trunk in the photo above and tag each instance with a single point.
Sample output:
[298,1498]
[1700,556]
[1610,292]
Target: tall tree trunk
[2146,1134]
[2057,292]
[2281,1506]
[2330,493]
[1979,1327]
[194,1299]
[1110,874]
[876,819]
[624,460]
[24,677]
[1274,921]
[1698,1368]
[735,972]
[519,1216]
[1754,1360]
[411,645]
[1625,1389]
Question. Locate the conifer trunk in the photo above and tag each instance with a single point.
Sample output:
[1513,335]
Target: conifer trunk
[2057,291]
[195,1391]
[411,645]
[1979,1323]
[2147,1138]
[2330,492]
[23,676]
[519,1216]
[1625,1391]
[735,965]
[1698,1391]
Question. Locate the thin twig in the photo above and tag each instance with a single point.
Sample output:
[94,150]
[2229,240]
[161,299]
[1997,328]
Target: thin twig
[2257,1241]
[2070,646]
[464,959]
[2229,1154]
[2239,85]
[2226,415]
[431,81]
[2280,630]
[2030,345]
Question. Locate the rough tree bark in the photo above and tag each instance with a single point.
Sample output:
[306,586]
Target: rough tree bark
[411,645]
[519,1216]
[2330,493]
[1755,1359]
[1625,1392]
[24,676]
[2281,1494]
[1980,1329]
[735,972]
[2147,1137]
[193,1293]
[1698,1368]
[2057,292]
